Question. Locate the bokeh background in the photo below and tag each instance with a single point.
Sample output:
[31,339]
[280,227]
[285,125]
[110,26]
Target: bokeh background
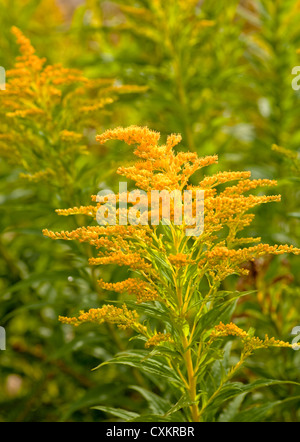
[220,73]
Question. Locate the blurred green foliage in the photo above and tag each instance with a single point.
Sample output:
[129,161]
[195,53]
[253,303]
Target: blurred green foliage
[217,71]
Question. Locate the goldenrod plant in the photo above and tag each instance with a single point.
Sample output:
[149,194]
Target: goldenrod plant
[182,50]
[180,312]
[220,72]
[47,115]
[224,74]
[36,18]
[43,163]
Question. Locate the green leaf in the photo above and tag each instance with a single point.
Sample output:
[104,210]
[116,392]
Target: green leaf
[157,404]
[219,313]
[183,402]
[233,389]
[118,412]
[232,409]
[140,359]
[156,312]
[157,418]
[218,370]
[255,414]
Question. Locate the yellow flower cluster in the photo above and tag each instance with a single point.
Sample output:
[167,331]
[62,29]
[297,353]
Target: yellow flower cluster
[180,260]
[94,233]
[70,136]
[286,152]
[245,185]
[83,210]
[46,110]
[39,176]
[160,168]
[221,258]
[123,317]
[133,286]
[221,178]
[158,339]
[250,343]
[132,260]
[222,262]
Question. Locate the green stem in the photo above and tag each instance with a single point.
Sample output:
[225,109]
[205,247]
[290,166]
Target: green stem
[191,384]
[192,380]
